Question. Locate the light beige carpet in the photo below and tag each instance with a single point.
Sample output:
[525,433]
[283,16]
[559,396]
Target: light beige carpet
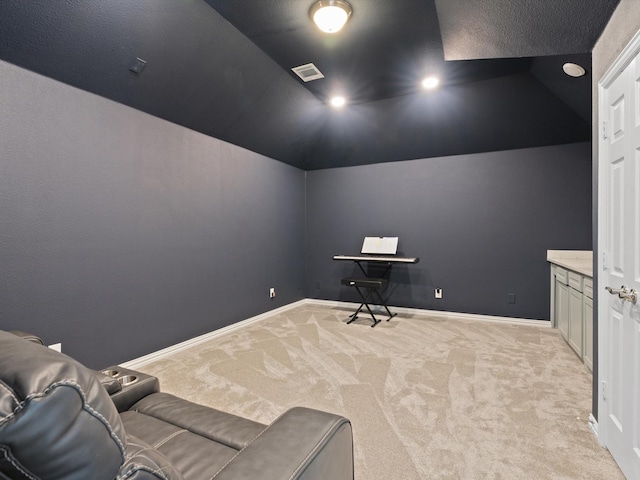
[428,397]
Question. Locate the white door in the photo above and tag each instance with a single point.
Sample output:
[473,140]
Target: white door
[619,265]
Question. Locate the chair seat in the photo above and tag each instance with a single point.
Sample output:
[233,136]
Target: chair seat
[364,282]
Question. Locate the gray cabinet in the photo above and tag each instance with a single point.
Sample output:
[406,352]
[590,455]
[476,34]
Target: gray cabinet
[562,309]
[576,320]
[587,309]
[572,310]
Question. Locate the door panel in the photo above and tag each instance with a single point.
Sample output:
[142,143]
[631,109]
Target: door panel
[635,433]
[620,220]
[616,215]
[587,308]
[636,205]
[616,365]
[562,312]
[575,321]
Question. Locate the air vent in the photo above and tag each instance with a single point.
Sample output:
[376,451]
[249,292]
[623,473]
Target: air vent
[308,72]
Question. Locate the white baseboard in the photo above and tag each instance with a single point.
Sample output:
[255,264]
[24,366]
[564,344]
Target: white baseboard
[152,357]
[437,313]
[593,425]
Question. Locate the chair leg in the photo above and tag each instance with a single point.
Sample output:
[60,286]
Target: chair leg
[365,300]
[383,303]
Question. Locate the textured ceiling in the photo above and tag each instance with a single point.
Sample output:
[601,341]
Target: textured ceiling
[223,68]
[387,47]
[474,29]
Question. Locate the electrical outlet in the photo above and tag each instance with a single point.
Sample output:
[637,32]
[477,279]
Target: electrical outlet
[56,346]
[511,298]
[438,293]
[272,293]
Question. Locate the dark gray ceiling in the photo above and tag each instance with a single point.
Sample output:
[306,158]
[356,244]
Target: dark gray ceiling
[223,68]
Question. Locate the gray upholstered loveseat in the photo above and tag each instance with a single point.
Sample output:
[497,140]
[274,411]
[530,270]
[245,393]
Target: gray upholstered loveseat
[61,420]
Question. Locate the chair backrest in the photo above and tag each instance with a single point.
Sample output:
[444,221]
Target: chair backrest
[56,419]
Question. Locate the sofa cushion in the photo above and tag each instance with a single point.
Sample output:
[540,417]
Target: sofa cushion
[225,428]
[198,440]
[145,463]
[56,419]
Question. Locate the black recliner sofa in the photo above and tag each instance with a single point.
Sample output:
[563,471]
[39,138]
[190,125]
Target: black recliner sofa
[61,420]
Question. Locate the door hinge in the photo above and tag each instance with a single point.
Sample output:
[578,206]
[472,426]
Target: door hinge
[604,391]
[604,260]
[604,129]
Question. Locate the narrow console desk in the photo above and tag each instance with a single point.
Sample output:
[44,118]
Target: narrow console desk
[372,285]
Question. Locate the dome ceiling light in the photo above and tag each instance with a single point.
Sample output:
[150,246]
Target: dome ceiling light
[573,70]
[330,15]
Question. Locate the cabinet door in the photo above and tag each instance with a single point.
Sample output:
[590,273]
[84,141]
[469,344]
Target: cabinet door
[587,309]
[562,309]
[575,320]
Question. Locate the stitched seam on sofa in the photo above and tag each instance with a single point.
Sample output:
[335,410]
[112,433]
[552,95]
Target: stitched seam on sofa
[160,415]
[17,466]
[239,452]
[173,435]
[214,438]
[11,394]
[329,431]
[138,468]
[85,406]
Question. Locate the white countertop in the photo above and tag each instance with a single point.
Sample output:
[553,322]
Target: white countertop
[580,261]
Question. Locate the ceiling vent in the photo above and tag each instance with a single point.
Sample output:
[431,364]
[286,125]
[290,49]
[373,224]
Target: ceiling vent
[308,72]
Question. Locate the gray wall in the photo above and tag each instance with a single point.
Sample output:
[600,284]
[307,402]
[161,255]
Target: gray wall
[121,233]
[481,225]
[622,26]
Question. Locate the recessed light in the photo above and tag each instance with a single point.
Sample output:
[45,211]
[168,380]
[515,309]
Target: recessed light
[430,82]
[573,70]
[330,15]
[338,102]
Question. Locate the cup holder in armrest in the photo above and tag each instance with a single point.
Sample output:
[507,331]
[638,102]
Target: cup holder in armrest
[128,386]
[127,380]
[123,378]
[109,381]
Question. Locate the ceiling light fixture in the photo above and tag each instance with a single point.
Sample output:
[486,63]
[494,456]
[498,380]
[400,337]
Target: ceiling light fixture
[430,82]
[338,102]
[330,15]
[573,70]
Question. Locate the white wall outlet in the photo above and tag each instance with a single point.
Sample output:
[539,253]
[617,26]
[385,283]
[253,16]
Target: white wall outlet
[438,293]
[56,346]
[272,293]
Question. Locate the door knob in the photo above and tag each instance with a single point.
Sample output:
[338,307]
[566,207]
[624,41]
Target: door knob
[631,296]
[624,293]
[617,291]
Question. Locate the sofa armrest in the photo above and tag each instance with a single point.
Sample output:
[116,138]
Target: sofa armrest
[302,444]
[133,390]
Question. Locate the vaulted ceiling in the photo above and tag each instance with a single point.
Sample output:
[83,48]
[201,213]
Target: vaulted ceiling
[223,68]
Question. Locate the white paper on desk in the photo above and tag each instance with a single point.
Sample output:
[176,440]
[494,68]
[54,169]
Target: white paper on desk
[380,245]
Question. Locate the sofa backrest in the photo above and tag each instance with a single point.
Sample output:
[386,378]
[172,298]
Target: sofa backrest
[56,419]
